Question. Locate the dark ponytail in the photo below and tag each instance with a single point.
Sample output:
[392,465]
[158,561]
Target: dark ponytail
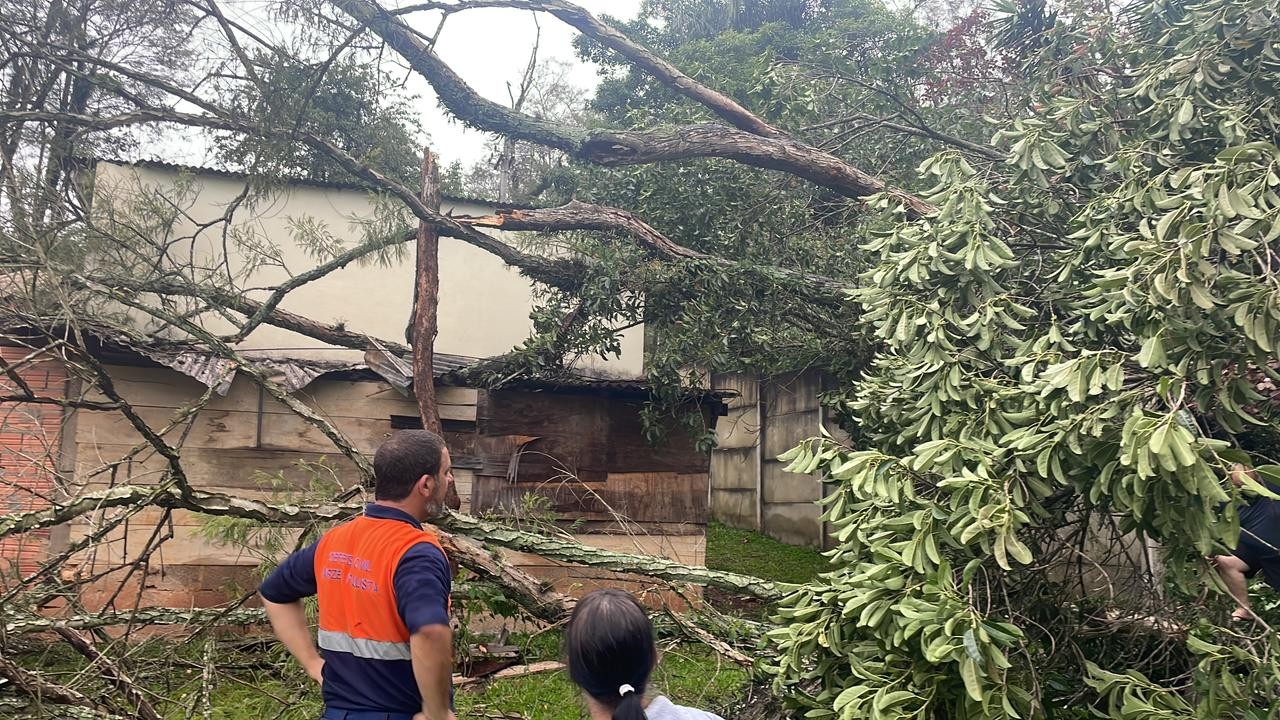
[611,652]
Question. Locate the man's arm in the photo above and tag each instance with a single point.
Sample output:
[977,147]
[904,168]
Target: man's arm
[282,594]
[432,650]
[289,623]
[422,584]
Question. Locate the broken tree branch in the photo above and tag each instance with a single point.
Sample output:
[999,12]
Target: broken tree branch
[587,24]
[579,554]
[459,525]
[511,672]
[615,147]
[577,215]
[36,686]
[138,703]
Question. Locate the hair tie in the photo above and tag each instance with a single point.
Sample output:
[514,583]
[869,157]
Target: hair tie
[624,689]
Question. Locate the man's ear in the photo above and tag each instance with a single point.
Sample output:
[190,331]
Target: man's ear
[425,485]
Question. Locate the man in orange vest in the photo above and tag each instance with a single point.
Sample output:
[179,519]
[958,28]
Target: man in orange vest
[383,583]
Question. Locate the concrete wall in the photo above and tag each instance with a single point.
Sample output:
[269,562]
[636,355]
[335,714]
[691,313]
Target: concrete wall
[484,304]
[749,488]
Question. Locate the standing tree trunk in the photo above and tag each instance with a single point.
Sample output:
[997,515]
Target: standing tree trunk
[425,305]
[426,293]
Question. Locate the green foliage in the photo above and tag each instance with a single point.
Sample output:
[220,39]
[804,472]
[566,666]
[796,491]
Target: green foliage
[349,102]
[310,481]
[1068,352]
[818,69]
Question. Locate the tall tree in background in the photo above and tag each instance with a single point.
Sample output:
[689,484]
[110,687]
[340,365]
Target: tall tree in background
[520,171]
[38,152]
[351,102]
[877,87]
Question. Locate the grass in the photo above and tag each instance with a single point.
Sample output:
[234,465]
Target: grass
[750,553]
[267,684]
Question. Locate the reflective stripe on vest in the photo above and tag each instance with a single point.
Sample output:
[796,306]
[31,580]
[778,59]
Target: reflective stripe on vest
[363,648]
[355,567]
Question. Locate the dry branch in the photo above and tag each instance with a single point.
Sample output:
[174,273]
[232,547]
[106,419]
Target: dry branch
[138,703]
[511,672]
[36,686]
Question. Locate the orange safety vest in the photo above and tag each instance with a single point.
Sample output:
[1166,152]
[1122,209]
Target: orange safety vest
[355,566]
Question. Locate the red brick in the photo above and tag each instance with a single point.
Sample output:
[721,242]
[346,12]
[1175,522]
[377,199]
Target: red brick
[29,445]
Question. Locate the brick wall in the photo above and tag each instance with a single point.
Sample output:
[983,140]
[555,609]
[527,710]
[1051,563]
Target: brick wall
[29,443]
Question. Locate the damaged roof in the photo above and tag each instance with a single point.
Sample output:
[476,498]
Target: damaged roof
[294,373]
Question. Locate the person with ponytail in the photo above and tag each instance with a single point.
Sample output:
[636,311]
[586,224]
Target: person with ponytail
[611,653]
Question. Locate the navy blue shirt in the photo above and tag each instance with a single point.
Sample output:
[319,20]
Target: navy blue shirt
[422,585]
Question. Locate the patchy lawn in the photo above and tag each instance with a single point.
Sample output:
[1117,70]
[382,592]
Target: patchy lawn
[688,674]
[750,553]
[266,684]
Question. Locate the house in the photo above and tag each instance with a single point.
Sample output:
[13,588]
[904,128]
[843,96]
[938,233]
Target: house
[575,442]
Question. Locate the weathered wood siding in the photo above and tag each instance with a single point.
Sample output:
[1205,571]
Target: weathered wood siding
[586,461]
[246,444]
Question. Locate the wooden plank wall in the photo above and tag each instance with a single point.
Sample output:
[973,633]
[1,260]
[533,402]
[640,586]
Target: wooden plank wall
[231,446]
[587,458]
[241,438]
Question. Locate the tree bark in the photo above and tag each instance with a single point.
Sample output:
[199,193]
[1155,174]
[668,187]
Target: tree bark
[576,215]
[587,24]
[426,294]
[579,554]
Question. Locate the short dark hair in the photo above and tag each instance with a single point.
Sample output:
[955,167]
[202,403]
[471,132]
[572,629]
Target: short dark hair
[609,644]
[404,458]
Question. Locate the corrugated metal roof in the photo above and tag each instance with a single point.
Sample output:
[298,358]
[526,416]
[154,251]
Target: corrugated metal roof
[208,369]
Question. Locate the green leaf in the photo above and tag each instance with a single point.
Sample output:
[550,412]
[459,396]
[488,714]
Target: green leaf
[971,646]
[972,683]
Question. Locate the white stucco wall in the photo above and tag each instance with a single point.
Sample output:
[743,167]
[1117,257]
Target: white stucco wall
[484,304]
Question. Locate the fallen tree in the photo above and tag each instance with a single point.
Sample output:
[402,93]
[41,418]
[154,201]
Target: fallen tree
[1062,335]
